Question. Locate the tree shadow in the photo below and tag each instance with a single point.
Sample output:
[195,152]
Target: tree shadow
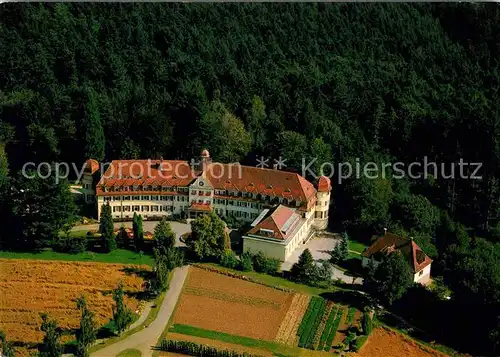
[139,272]
[351,298]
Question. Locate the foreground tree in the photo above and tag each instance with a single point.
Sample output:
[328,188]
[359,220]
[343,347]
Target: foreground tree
[341,250]
[163,235]
[138,231]
[6,348]
[40,208]
[122,315]
[304,268]
[87,332]
[208,237]
[51,345]
[106,228]
[392,277]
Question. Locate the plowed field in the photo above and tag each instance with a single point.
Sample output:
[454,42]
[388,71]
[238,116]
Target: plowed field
[29,287]
[386,343]
[217,302]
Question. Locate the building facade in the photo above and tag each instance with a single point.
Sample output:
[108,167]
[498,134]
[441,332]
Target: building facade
[157,188]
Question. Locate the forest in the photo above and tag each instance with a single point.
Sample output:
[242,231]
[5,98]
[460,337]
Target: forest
[337,82]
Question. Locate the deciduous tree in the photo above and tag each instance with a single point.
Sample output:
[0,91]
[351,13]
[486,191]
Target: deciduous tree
[51,345]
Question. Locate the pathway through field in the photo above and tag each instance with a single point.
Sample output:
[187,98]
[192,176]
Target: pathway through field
[146,339]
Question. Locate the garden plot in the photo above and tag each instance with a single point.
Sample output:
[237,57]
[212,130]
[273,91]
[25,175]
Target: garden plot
[216,302]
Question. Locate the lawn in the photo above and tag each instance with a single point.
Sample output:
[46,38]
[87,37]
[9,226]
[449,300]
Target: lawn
[130,353]
[275,348]
[356,247]
[118,256]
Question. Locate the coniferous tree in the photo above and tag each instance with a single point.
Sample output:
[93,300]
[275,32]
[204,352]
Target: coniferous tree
[51,345]
[138,231]
[122,315]
[303,269]
[94,132]
[87,332]
[341,250]
[106,228]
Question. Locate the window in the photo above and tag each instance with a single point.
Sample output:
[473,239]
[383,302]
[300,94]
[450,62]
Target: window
[421,273]
[136,208]
[126,208]
[145,198]
[154,208]
[107,199]
[126,198]
[145,208]
[193,192]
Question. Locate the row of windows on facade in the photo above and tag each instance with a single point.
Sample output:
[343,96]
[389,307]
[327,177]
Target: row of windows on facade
[139,208]
[146,198]
[182,199]
[144,188]
[257,196]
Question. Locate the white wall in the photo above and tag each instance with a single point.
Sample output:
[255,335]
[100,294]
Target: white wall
[270,249]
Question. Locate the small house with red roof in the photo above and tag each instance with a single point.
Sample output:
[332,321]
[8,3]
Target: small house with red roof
[419,262]
[277,233]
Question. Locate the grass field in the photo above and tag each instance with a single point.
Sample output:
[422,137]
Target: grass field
[357,246]
[130,353]
[30,287]
[118,256]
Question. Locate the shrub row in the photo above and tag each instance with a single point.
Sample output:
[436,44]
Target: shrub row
[310,323]
[327,329]
[333,330]
[263,264]
[72,245]
[194,349]
[240,276]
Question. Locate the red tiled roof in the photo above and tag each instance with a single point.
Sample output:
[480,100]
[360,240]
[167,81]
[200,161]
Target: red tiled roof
[221,176]
[91,165]
[275,222]
[324,184]
[200,207]
[389,243]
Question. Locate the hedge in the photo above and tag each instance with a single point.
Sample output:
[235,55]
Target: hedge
[194,349]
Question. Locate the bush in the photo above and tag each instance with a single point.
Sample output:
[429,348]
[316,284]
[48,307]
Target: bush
[228,259]
[367,323]
[359,342]
[72,245]
[263,264]
[194,349]
[246,262]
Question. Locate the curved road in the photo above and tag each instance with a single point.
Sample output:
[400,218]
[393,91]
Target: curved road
[145,339]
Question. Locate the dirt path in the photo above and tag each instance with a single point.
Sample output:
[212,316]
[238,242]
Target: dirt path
[145,339]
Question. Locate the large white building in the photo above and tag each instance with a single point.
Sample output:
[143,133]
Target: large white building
[156,188]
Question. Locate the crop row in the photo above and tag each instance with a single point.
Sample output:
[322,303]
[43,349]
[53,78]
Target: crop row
[328,327]
[311,321]
[333,329]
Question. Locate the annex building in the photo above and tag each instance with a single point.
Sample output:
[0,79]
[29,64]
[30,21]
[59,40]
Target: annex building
[418,261]
[284,207]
